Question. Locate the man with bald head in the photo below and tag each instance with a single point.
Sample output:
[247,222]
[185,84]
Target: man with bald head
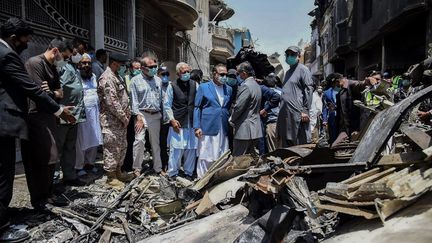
[146,95]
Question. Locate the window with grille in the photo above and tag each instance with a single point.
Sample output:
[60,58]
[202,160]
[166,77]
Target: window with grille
[115,13]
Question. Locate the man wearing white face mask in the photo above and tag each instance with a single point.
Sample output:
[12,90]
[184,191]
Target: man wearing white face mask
[146,95]
[76,58]
[40,153]
[79,50]
[179,107]
[66,134]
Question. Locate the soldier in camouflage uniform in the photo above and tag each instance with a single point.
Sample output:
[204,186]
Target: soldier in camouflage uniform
[114,118]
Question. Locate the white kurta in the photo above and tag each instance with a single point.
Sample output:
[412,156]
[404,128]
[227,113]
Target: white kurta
[212,147]
[89,132]
[316,110]
[184,140]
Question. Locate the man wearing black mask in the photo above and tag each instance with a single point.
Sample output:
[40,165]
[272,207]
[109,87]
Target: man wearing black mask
[15,87]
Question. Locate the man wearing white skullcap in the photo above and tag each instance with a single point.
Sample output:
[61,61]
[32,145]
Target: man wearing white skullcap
[89,132]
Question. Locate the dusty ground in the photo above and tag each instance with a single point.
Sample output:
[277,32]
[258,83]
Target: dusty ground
[21,197]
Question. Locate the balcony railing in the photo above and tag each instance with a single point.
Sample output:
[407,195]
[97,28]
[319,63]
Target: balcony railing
[222,33]
[223,45]
[223,39]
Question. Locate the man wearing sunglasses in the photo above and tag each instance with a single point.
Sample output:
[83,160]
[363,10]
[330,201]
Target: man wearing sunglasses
[212,104]
[146,94]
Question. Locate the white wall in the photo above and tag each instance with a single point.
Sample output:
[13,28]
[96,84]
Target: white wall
[201,40]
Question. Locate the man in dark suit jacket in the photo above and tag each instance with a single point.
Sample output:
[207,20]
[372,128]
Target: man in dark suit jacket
[15,87]
[245,115]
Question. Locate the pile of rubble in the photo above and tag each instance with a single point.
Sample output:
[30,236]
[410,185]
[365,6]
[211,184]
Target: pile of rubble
[296,194]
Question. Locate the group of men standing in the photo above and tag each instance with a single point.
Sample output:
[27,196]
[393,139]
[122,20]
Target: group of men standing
[192,121]
[200,116]
[32,121]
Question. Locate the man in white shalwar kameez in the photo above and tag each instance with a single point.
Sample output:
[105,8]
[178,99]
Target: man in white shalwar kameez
[89,132]
[212,103]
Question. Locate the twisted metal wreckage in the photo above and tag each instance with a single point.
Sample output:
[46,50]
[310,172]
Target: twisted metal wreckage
[296,194]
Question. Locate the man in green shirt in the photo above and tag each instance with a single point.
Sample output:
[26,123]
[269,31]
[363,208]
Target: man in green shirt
[66,134]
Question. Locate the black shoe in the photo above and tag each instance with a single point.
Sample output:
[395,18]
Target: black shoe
[57,201]
[181,173]
[4,225]
[13,236]
[75,182]
[89,167]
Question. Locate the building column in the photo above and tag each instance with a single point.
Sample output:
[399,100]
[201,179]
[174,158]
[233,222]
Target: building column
[97,28]
[131,28]
[23,9]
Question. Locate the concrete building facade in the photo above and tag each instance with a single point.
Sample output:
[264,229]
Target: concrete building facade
[357,37]
[131,26]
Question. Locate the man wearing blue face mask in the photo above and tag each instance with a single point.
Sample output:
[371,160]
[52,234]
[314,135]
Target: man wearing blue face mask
[134,70]
[212,104]
[296,99]
[146,96]
[179,107]
[164,75]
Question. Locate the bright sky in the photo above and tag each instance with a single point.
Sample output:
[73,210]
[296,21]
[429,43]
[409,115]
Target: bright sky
[275,24]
